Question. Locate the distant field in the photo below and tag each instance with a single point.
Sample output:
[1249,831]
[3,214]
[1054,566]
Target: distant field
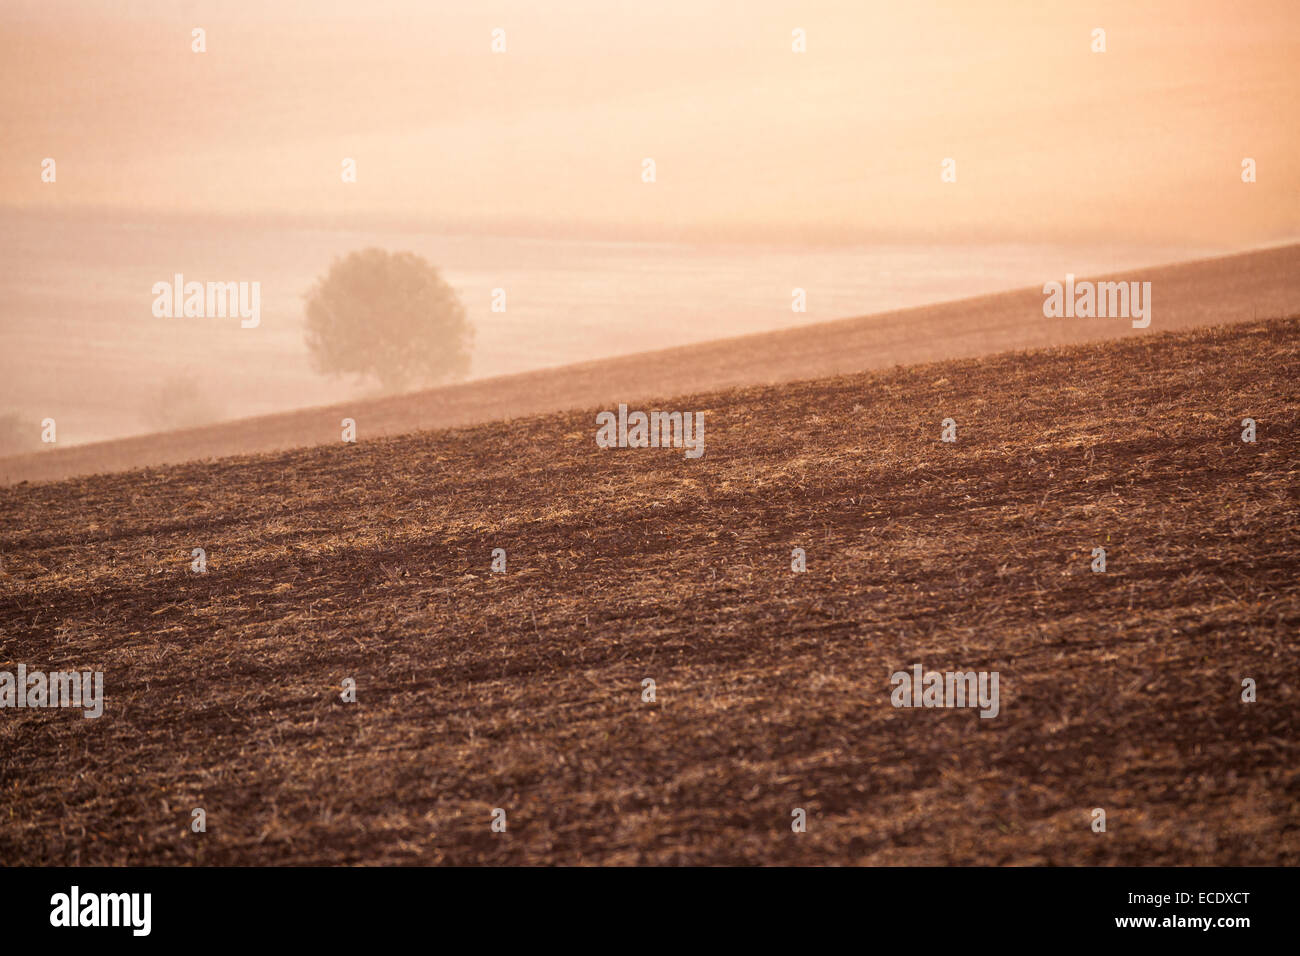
[522,690]
[1228,289]
[79,343]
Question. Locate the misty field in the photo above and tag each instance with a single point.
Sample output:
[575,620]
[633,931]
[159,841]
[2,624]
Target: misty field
[1251,285]
[523,690]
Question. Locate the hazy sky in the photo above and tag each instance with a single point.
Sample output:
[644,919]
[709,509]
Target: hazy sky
[1052,141]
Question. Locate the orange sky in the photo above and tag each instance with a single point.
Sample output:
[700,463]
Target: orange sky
[751,140]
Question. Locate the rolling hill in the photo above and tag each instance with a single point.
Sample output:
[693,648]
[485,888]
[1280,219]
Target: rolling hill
[523,690]
[1227,289]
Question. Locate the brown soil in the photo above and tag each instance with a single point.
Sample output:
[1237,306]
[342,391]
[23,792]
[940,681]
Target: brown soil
[522,690]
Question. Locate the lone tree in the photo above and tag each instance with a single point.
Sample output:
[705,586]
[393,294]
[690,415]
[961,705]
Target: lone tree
[388,315]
